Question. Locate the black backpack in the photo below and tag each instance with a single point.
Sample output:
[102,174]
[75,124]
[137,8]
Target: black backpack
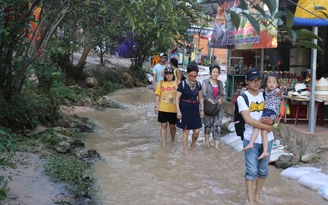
[239,120]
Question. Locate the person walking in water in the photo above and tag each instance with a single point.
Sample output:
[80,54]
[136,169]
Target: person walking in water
[213,93]
[175,65]
[272,100]
[158,69]
[190,104]
[166,91]
[256,170]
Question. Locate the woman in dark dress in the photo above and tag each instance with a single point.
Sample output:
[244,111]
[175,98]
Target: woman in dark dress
[189,103]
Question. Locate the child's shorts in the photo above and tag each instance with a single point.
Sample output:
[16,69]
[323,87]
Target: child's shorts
[269,113]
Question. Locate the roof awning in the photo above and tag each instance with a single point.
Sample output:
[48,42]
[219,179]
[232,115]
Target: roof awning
[195,30]
[208,35]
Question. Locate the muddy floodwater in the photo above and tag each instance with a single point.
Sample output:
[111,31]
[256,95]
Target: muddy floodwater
[137,169]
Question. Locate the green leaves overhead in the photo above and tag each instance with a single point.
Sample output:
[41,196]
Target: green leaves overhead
[283,15]
[235,19]
[252,20]
[306,34]
[289,19]
[272,5]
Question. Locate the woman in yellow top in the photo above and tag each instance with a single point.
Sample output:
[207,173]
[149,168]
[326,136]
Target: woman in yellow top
[165,92]
[176,71]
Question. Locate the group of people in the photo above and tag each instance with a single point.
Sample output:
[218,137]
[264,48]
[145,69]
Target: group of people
[180,103]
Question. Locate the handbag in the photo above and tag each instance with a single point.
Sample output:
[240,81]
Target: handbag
[211,109]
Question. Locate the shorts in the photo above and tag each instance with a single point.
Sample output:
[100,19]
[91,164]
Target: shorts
[167,117]
[269,113]
[254,167]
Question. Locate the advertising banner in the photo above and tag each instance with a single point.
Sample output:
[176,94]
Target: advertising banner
[226,36]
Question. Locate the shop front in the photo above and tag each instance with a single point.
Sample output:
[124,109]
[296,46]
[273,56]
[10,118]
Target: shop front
[268,52]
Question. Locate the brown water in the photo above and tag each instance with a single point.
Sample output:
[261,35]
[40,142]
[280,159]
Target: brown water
[137,169]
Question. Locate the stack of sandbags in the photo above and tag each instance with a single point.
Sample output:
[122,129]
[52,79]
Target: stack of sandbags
[321,89]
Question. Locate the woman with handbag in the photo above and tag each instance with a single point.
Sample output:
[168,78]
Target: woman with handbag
[213,94]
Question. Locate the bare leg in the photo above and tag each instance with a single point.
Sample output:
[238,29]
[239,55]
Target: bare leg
[265,144]
[185,134]
[258,189]
[173,130]
[195,135]
[253,138]
[250,191]
[216,144]
[207,140]
[163,133]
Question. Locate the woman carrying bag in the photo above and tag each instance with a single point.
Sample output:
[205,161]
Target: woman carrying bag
[213,94]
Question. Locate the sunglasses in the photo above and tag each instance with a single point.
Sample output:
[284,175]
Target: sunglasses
[193,75]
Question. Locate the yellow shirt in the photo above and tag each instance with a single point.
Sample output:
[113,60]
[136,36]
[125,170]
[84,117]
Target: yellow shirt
[167,92]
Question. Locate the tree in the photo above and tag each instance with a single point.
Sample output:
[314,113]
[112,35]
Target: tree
[156,26]
[26,31]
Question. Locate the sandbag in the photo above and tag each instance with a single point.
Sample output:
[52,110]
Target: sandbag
[296,172]
[314,180]
[323,191]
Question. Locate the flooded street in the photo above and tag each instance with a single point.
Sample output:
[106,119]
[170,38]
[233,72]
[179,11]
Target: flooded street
[137,169]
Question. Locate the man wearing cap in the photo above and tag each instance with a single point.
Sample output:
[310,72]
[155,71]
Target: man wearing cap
[256,170]
[158,69]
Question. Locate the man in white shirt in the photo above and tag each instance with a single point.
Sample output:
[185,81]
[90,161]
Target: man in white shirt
[158,69]
[256,170]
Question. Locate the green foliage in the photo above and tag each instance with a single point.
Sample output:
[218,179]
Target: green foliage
[26,111]
[299,38]
[156,26]
[6,145]
[110,87]
[50,138]
[61,94]
[75,173]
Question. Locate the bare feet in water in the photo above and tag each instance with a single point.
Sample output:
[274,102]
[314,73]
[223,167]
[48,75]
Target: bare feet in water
[185,151]
[193,145]
[258,200]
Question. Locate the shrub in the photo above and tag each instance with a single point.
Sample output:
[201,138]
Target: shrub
[75,173]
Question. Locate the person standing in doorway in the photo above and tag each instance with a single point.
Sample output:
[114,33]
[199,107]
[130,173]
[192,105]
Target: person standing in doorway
[256,170]
[166,91]
[190,105]
[158,69]
[213,92]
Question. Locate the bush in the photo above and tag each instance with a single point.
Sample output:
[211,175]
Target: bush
[6,145]
[75,173]
[26,111]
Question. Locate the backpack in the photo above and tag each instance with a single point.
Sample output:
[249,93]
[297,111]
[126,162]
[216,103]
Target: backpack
[239,120]
[198,84]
